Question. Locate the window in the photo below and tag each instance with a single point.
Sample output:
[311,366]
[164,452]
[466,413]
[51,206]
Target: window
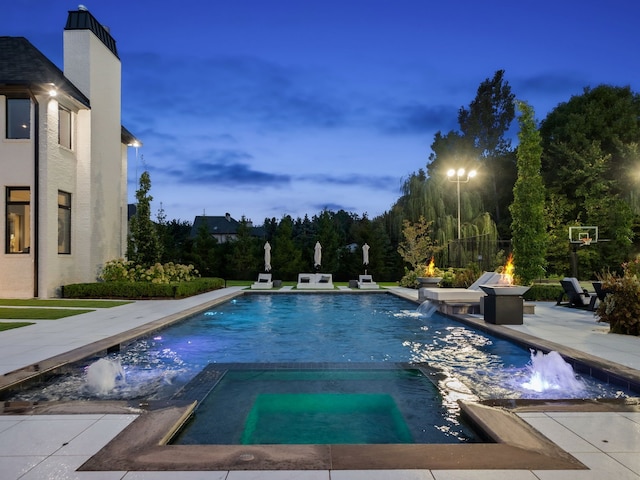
[64,222]
[18,118]
[64,127]
[18,228]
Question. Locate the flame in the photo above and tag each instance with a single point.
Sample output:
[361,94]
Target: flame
[431,268]
[508,269]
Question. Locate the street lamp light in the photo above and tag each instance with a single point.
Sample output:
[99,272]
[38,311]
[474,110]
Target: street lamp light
[460,176]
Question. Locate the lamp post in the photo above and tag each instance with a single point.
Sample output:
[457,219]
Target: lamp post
[460,176]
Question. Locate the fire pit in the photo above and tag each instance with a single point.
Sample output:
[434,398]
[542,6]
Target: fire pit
[504,304]
[428,281]
[504,289]
[432,275]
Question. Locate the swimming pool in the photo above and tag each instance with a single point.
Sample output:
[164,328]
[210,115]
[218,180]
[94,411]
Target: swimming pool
[305,327]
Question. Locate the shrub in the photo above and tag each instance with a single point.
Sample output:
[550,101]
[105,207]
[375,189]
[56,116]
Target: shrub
[448,279]
[539,292]
[141,290]
[465,278]
[127,271]
[621,306]
[410,279]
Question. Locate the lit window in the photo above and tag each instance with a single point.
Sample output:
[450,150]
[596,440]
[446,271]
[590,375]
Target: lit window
[18,228]
[18,118]
[64,222]
[64,127]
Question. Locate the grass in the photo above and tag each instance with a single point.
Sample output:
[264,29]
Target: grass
[33,302]
[9,325]
[39,313]
[37,309]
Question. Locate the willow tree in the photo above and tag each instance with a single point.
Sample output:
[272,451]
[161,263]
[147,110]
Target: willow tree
[528,224]
[482,144]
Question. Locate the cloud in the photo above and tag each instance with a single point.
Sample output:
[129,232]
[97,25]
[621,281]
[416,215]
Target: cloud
[419,118]
[223,169]
[376,182]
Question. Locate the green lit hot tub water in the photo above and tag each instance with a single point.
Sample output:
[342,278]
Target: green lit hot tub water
[328,406]
[302,418]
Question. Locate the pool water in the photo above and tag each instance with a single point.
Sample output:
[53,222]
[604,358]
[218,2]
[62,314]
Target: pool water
[297,328]
[322,406]
[324,418]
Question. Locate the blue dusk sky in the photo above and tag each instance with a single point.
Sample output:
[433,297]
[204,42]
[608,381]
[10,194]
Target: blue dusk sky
[264,108]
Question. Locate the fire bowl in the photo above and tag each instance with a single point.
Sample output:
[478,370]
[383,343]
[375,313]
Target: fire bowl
[506,290]
[429,280]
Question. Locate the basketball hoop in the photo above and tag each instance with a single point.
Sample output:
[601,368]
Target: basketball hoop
[586,241]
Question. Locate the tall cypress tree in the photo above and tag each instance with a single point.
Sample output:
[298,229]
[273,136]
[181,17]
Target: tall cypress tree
[527,210]
[143,243]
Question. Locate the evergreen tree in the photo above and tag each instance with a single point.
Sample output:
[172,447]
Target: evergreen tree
[286,258]
[204,254]
[527,210]
[330,240]
[175,236]
[243,257]
[143,243]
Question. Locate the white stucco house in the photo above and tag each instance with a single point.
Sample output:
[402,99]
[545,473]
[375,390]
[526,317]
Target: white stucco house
[63,161]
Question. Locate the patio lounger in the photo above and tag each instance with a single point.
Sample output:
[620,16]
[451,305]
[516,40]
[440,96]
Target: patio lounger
[366,282]
[473,294]
[578,296]
[315,281]
[264,282]
[600,292]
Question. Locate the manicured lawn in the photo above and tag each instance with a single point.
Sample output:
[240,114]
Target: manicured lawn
[33,302]
[9,325]
[39,313]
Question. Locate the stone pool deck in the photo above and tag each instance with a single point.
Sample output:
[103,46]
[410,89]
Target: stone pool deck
[54,446]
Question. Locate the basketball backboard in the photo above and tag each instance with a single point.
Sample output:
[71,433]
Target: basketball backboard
[582,235]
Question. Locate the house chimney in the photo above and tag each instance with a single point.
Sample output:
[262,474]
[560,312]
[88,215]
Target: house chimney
[227,216]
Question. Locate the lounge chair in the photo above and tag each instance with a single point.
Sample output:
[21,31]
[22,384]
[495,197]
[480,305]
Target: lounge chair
[264,282]
[578,296]
[472,294]
[600,291]
[315,281]
[366,282]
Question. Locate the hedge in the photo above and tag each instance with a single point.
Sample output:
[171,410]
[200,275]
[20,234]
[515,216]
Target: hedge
[541,292]
[141,290]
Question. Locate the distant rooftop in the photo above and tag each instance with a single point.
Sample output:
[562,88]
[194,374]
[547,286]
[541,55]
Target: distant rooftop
[222,225]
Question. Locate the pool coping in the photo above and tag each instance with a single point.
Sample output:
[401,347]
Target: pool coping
[142,446]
